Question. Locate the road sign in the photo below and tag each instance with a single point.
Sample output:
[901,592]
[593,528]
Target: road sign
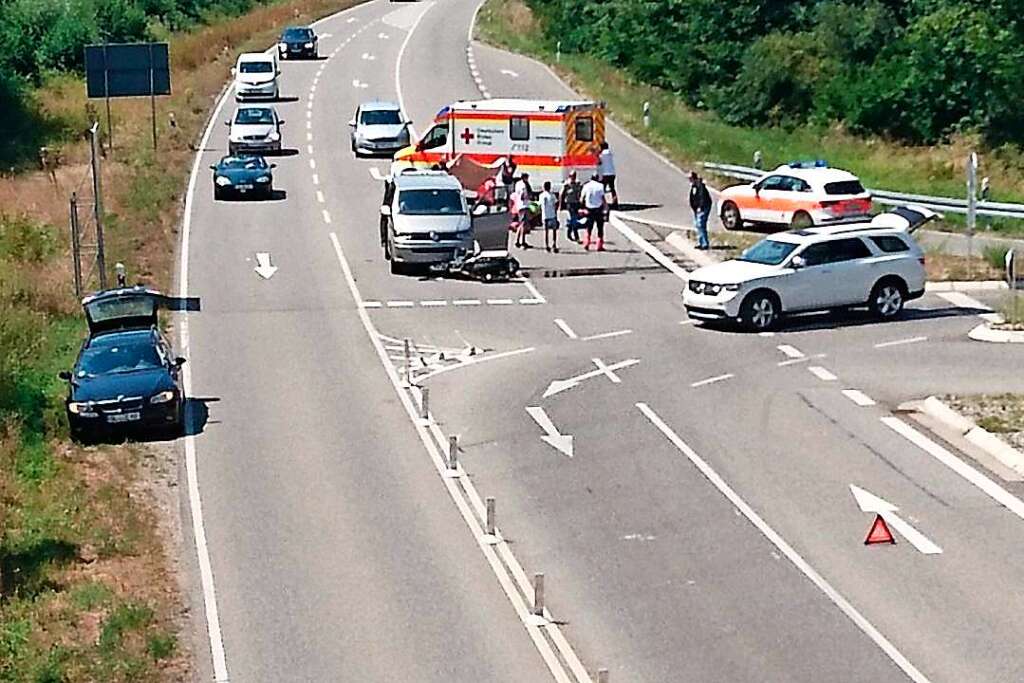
[127,70]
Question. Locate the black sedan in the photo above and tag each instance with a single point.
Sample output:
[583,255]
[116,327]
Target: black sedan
[243,176]
[126,376]
[298,42]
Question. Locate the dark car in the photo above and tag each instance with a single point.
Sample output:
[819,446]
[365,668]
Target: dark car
[298,41]
[243,176]
[126,376]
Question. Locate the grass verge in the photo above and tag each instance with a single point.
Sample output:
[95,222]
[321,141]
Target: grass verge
[1002,414]
[688,136]
[88,588]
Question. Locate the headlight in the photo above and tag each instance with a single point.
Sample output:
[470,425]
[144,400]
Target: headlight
[282,46]
[731,288]
[222,180]
[309,45]
[711,289]
[274,135]
[163,397]
[77,408]
[263,179]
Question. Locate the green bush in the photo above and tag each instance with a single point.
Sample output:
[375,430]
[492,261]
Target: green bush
[917,71]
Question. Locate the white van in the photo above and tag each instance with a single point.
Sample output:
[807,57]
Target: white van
[257,76]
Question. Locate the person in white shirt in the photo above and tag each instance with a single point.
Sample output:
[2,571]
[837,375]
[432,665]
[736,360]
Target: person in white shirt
[594,203]
[606,167]
[522,194]
[549,216]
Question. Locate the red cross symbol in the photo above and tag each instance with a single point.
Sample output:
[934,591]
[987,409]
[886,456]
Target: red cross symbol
[467,136]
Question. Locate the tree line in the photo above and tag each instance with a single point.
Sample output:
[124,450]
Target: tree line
[914,70]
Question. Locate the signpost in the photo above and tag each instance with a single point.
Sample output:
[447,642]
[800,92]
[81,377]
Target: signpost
[972,203]
[128,70]
[1011,279]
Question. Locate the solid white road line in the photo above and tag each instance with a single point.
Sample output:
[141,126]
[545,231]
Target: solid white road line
[473,360]
[780,543]
[822,374]
[858,397]
[607,335]
[900,342]
[987,486]
[564,326]
[790,351]
[454,490]
[712,380]
[648,248]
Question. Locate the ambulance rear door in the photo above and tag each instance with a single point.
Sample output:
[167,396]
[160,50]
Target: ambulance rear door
[584,132]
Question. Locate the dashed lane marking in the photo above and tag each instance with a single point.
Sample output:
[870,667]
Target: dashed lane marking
[327,217]
[900,342]
[712,380]
[790,351]
[319,196]
[564,326]
[822,374]
[858,397]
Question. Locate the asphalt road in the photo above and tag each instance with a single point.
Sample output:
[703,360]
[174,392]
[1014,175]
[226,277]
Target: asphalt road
[704,528]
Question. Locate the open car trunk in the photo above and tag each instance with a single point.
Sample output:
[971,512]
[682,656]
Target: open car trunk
[130,308]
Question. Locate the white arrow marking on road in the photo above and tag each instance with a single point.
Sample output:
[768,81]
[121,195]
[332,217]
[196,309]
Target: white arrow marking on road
[382,36]
[562,442]
[869,502]
[359,84]
[510,72]
[264,268]
[368,57]
[560,385]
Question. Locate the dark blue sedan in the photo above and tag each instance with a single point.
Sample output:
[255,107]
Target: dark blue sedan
[243,176]
[126,376]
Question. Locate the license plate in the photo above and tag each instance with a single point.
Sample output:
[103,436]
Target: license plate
[243,188]
[123,417]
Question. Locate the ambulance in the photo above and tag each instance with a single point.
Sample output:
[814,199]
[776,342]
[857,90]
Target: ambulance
[546,138]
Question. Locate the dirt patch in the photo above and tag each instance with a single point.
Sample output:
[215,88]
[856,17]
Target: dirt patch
[1002,414]
[944,267]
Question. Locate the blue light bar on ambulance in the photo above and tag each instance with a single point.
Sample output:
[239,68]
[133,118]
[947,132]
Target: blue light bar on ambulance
[817,163]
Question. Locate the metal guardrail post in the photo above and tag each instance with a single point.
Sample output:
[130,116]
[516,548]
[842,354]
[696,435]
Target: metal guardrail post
[602,676]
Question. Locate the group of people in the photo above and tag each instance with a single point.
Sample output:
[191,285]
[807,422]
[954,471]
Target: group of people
[586,204]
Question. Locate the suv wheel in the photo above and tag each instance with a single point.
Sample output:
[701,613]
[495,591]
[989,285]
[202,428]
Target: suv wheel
[801,220]
[760,311]
[887,299]
[731,218]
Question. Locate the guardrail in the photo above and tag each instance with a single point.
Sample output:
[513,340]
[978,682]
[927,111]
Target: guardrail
[946,204]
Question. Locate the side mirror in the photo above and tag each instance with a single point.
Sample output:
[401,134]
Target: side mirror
[213,167]
[385,210]
[352,123]
[179,361]
[234,71]
[64,375]
[281,122]
[273,166]
[798,262]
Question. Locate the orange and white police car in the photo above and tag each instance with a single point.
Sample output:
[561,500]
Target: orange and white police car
[546,138]
[797,195]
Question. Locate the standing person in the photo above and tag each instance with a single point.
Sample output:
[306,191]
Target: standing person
[549,216]
[594,203]
[523,194]
[508,176]
[700,203]
[606,167]
[569,200]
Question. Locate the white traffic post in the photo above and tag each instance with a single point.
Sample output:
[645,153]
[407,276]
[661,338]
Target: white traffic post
[538,596]
[558,51]
[490,521]
[1011,278]
[647,114]
[408,363]
[602,676]
[425,403]
[452,466]
[972,205]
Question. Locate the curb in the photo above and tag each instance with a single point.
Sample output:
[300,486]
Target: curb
[982,438]
[985,333]
[678,241]
[965,286]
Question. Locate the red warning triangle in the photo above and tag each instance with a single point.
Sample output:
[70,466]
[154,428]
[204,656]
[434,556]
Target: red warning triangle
[879,533]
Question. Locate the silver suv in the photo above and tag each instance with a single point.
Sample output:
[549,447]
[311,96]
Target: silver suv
[424,219]
[874,263]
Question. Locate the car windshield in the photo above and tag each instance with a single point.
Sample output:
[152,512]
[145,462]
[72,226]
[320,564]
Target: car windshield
[256,67]
[768,252]
[297,34]
[430,203]
[247,163]
[380,117]
[105,360]
[254,115]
